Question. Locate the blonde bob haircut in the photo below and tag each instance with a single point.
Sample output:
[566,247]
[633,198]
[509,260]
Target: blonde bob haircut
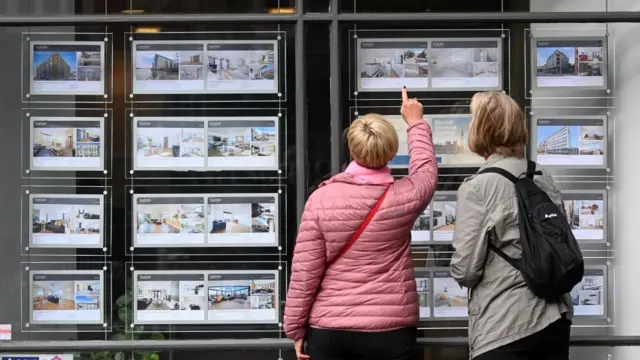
[373,141]
[498,125]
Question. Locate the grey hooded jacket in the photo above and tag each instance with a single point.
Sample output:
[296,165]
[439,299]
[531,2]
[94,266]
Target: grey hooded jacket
[502,309]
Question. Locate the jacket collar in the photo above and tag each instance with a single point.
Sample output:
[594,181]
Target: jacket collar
[359,175]
[491,160]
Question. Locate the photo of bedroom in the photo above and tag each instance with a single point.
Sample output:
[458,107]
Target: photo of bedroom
[158,219]
[230,218]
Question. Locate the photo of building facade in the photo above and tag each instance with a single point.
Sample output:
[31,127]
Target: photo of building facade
[560,62]
[55,66]
[559,140]
[160,65]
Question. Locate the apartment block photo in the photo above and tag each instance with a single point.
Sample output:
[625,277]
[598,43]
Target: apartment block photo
[55,65]
[157,65]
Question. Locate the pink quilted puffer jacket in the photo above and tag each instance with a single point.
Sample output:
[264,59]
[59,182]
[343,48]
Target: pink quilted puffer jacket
[372,286]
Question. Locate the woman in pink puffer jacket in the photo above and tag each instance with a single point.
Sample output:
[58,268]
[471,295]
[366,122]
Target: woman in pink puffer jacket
[365,304]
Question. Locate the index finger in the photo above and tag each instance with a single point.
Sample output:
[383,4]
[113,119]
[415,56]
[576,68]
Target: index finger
[405,96]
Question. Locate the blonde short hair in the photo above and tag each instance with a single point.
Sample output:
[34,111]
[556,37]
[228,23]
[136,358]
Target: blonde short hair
[373,141]
[498,125]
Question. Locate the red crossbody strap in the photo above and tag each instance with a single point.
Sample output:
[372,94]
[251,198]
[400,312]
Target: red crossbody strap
[360,230]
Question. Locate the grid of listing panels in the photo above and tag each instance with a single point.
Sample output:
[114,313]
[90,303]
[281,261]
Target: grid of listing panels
[199,183]
[569,136]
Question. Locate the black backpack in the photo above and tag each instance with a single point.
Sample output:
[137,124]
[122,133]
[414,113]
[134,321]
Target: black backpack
[551,262]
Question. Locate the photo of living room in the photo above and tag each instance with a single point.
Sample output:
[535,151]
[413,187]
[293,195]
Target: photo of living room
[88,294]
[444,216]
[52,218]
[54,295]
[448,294]
[229,295]
[224,142]
[192,219]
[158,219]
[158,295]
[263,141]
[230,218]
[263,217]
[192,295]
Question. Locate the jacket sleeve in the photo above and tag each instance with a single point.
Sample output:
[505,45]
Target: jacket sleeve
[307,269]
[469,237]
[423,170]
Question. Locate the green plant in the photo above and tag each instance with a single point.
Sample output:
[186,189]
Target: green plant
[123,317]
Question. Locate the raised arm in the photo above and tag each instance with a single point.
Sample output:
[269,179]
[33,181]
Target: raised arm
[307,269]
[423,170]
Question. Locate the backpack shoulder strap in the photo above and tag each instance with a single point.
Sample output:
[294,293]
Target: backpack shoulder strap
[531,169]
[499,171]
[513,262]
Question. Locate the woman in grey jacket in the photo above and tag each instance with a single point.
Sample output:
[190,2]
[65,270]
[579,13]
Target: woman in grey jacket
[506,320]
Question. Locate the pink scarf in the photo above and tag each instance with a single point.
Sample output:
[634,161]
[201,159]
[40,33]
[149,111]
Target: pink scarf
[365,175]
